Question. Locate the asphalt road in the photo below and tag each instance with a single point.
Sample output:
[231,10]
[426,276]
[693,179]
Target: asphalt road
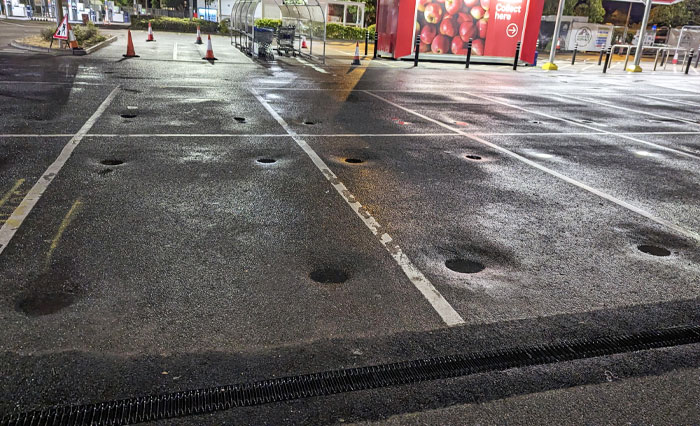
[146,247]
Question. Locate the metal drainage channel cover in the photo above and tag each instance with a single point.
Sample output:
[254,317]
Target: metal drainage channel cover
[202,401]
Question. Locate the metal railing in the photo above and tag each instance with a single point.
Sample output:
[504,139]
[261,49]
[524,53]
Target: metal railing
[663,50]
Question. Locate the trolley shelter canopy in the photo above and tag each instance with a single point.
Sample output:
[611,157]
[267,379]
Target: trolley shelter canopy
[308,16]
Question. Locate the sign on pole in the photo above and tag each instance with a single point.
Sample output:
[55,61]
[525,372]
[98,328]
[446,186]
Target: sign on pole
[62,30]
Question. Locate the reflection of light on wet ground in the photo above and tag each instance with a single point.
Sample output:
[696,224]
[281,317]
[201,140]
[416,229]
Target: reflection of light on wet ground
[642,153]
[538,154]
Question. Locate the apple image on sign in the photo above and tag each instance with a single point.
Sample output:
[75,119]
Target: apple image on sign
[421,5]
[433,13]
[477,12]
[463,17]
[483,26]
[428,33]
[485,4]
[448,27]
[441,44]
[470,3]
[459,47]
[452,7]
[467,30]
[478,47]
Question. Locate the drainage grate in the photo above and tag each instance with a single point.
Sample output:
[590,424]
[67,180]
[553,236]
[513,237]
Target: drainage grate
[202,401]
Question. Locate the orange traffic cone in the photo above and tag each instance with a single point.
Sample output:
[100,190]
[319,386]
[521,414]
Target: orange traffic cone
[303,43]
[130,47]
[356,59]
[72,42]
[210,51]
[199,36]
[675,58]
[150,33]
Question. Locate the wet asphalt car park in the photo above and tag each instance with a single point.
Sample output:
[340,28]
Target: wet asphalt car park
[172,224]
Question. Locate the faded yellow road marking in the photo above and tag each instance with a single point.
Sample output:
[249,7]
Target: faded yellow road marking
[62,227]
[7,196]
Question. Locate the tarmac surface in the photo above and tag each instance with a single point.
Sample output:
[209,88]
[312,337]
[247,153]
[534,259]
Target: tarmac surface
[170,223]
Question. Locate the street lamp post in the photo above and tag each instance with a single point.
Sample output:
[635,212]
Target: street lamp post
[640,42]
[550,65]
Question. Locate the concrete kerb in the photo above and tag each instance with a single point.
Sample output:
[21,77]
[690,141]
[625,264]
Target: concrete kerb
[61,52]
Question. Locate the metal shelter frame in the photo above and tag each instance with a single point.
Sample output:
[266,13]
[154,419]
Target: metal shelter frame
[300,13]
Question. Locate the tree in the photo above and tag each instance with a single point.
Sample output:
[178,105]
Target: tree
[618,17]
[676,15]
[370,12]
[593,9]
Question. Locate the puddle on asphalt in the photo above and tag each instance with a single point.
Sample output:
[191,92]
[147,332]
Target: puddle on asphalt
[49,293]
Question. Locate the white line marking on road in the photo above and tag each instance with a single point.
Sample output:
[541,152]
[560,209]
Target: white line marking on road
[622,135]
[674,101]
[609,105]
[680,230]
[590,66]
[308,64]
[420,281]
[25,207]
[175,52]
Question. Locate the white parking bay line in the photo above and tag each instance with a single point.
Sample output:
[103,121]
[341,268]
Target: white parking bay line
[308,64]
[175,52]
[609,105]
[25,207]
[576,123]
[678,229]
[420,281]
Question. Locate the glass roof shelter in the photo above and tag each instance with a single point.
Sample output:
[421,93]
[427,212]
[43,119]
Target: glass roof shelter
[306,16]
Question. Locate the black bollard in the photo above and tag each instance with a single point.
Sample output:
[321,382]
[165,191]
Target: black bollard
[573,57]
[415,60]
[607,61]
[517,56]
[690,60]
[600,58]
[376,38]
[469,52]
[366,42]
[697,58]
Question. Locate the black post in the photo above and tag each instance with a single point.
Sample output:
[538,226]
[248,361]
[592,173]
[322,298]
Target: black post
[690,60]
[376,38]
[573,57]
[664,57]
[607,61]
[469,52]
[600,58]
[517,56]
[697,58]
[366,42]
[415,60]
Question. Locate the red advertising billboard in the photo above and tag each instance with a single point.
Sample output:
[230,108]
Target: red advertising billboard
[445,27]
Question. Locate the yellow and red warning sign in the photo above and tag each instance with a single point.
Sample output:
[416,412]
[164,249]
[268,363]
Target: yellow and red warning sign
[62,30]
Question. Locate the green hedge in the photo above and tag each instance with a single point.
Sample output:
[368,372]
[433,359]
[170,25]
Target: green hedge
[340,31]
[185,25]
[180,25]
[268,23]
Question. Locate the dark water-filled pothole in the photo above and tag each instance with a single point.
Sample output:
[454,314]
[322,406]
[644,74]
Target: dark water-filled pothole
[329,276]
[653,250]
[464,266]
